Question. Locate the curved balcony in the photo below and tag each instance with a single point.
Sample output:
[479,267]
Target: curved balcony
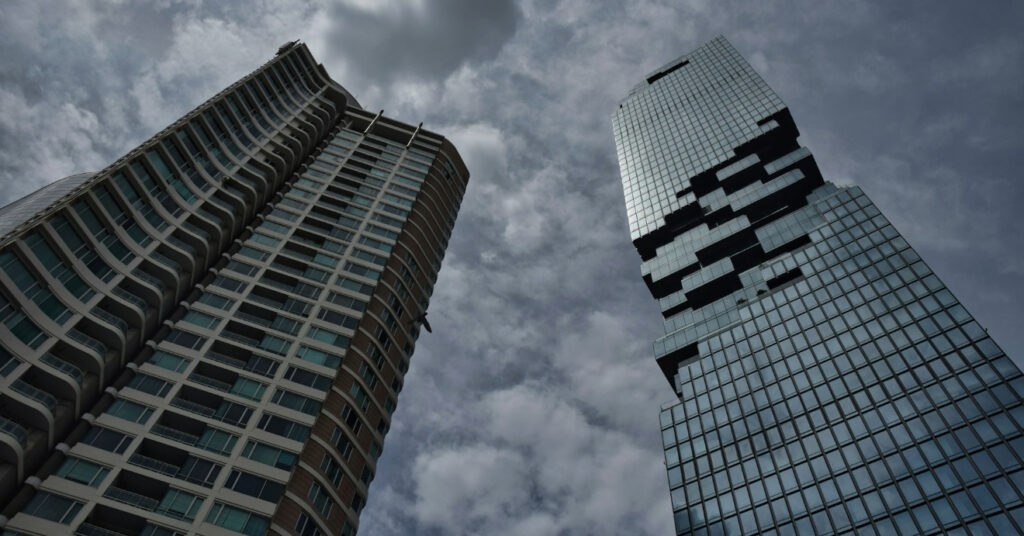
[14,431]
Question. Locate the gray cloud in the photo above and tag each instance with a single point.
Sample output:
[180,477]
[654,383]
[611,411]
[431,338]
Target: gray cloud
[532,408]
[382,41]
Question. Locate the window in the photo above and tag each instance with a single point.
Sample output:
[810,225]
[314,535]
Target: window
[199,471]
[150,385]
[276,345]
[85,252]
[169,361]
[360,396]
[254,486]
[375,354]
[351,418]
[338,319]
[53,507]
[346,301]
[341,442]
[232,413]
[356,286]
[361,270]
[320,499]
[83,472]
[368,375]
[396,200]
[307,378]
[156,530]
[186,339]
[307,527]
[201,319]
[180,504]
[253,253]
[327,336]
[283,427]
[331,469]
[237,520]
[264,240]
[380,231]
[60,271]
[106,439]
[318,357]
[297,402]
[375,244]
[383,338]
[218,441]
[23,328]
[271,456]
[394,210]
[228,283]
[130,411]
[250,389]
[31,287]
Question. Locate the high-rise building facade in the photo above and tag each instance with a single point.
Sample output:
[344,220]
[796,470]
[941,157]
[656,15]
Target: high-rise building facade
[209,336]
[828,382]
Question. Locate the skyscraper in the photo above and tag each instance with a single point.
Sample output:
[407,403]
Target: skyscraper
[209,336]
[828,381]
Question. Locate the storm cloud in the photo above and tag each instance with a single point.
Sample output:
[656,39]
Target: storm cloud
[532,408]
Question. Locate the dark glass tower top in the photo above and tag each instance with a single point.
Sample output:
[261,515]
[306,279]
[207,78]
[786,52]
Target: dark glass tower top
[688,117]
[715,184]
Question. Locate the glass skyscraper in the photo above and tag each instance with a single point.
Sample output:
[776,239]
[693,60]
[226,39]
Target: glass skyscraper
[209,336]
[828,382]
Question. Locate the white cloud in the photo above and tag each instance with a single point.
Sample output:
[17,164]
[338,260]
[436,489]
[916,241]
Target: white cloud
[475,483]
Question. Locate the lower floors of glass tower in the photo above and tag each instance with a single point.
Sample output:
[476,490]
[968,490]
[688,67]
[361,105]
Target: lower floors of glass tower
[856,397]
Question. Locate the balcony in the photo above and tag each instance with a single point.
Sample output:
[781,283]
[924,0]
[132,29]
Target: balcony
[180,244]
[210,382]
[107,521]
[89,342]
[131,498]
[197,231]
[175,434]
[288,305]
[120,324]
[88,529]
[212,406]
[227,381]
[242,359]
[63,367]
[171,265]
[152,495]
[174,462]
[238,337]
[267,319]
[153,464]
[226,359]
[194,407]
[254,338]
[255,319]
[138,302]
[192,432]
[14,430]
[36,394]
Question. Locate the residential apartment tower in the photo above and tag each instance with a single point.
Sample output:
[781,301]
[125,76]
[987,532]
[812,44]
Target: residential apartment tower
[209,336]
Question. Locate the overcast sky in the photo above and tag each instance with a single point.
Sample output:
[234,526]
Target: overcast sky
[532,408]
